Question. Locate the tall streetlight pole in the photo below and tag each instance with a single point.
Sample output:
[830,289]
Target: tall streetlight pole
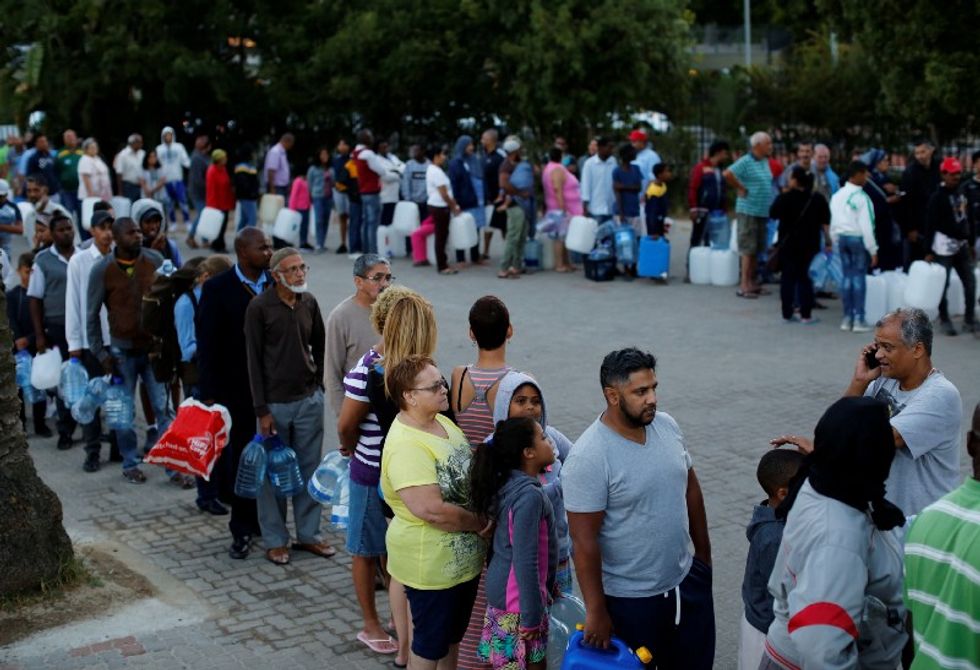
[747,19]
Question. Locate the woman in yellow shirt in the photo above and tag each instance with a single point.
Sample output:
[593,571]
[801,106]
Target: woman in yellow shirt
[436,546]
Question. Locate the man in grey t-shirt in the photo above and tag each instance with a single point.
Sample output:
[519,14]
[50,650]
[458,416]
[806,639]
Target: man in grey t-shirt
[925,407]
[634,508]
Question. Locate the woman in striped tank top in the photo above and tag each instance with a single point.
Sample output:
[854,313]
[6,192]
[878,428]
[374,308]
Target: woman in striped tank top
[472,395]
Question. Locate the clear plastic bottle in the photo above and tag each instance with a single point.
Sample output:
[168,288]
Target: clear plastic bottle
[324,481]
[283,469]
[118,406]
[23,365]
[251,469]
[166,268]
[625,238]
[84,410]
[340,512]
[74,381]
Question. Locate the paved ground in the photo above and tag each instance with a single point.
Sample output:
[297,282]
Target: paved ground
[730,372]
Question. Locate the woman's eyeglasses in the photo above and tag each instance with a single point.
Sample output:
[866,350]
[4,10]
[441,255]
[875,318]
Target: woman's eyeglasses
[435,388]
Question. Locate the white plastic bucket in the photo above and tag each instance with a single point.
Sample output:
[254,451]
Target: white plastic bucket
[269,207]
[209,225]
[875,298]
[384,241]
[286,227]
[925,286]
[430,249]
[896,281]
[87,205]
[121,206]
[724,268]
[462,232]
[955,296]
[581,234]
[699,264]
[406,217]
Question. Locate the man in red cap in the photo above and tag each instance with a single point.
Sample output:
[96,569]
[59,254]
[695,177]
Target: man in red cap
[950,241]
[646,157]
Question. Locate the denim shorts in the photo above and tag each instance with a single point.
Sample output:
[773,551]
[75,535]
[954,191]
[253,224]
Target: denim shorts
[367,525]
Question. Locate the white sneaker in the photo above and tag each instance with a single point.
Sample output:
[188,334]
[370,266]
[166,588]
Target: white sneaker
[846,324]
[861,326]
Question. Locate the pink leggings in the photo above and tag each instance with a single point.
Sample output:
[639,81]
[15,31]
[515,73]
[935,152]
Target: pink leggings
[418,238]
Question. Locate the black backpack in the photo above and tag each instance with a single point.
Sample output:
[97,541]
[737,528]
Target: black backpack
[157,319]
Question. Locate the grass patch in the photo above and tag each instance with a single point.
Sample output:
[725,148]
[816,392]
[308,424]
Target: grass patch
[72,573]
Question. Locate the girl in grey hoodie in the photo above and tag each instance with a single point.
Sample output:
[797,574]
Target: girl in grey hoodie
[518,395]
[520,579]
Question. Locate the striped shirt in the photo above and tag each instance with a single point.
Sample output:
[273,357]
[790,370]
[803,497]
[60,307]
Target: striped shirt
[756,177]
[942,581]
[476,420]
[365,466]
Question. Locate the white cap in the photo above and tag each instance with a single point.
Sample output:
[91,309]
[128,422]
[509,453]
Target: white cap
[4,187]
[512,144]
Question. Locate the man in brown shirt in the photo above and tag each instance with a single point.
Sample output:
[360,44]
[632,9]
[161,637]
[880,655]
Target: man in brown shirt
[285,342]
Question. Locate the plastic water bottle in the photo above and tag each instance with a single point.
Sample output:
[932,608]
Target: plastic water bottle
[251,469]
[340,512]
[23,365]
[580,656]
[74,381]
[625,238]
[283,469]
[324,481]
[84,410]
[118,406]
[166,268]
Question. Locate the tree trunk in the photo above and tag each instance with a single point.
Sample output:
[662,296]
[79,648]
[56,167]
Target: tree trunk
[33,543]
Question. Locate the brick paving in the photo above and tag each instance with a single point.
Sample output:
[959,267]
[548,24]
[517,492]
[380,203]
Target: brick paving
[730,372]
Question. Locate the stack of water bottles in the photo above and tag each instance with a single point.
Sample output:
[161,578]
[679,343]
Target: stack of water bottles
[268,458]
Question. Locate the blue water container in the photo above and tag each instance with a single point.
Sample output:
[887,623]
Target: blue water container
[340,511]
[533,253]
[74,381]
[323,483]
[118,406]
[580,656]
[84,410]
[23,367]
[625,241]
[654,258]
[282,469]
[719,229]
[251,469]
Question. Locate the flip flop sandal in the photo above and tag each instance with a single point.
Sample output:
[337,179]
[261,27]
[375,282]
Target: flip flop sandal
[323,549]
[748,296]
[386,645]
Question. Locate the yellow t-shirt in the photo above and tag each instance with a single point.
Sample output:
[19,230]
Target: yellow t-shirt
[420,555]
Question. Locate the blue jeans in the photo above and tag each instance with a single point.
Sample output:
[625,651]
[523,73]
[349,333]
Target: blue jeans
[323,206]
[247,213]
[370,218]
[354,244]
[136,365]
[178,198]
[854,262]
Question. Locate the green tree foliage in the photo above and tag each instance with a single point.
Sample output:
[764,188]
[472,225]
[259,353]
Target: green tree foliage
[111,67]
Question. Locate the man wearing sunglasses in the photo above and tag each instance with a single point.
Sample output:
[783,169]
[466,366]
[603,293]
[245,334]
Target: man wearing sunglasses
[349,331]
[285,341]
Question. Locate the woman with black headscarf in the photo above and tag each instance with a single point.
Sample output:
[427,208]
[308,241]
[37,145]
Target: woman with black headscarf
[837,582]
[884,196]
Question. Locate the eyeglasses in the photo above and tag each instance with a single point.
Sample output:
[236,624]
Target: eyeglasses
[299,269]
[441,384]
[378,278]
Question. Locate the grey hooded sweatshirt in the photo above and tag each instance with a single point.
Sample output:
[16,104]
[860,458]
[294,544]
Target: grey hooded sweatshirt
[551,479]
[521,574]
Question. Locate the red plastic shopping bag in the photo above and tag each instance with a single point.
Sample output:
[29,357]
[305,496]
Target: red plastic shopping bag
[194,440]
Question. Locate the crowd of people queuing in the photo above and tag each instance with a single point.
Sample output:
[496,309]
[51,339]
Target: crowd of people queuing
[469,507]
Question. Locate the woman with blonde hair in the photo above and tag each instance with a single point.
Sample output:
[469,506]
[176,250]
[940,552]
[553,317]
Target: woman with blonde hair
[407,324]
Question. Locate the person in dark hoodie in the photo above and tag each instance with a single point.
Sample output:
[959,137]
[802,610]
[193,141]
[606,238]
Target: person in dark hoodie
[883,194]
[837,580]
[776,469]
[463,167]
[950,240]
[520,579]
[519,395]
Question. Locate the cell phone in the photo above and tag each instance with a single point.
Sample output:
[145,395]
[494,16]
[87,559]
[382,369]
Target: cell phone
[871,360]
